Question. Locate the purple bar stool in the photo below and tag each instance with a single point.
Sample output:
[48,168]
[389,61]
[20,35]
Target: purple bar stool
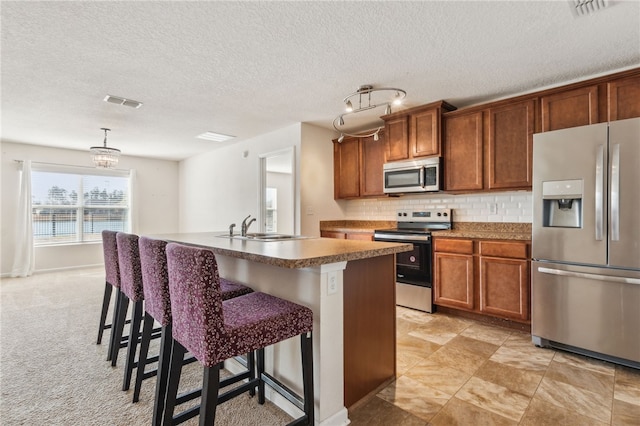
[214,330]
[155,283]
[131,290]
[112,280]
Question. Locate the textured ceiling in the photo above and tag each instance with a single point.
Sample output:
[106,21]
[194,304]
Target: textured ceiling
[248,68]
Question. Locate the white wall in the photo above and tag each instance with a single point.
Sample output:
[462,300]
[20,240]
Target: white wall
[316,171]
[221,187]
[155,202]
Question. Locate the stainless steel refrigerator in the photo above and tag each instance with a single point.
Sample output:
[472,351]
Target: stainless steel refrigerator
[586,240]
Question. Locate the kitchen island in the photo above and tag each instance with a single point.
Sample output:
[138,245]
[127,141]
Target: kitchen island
[348,284]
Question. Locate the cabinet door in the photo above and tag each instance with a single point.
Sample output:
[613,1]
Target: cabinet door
[363,236]
[453,280]
[346,168]
[504,287]
[333,234]
[372,158]
[510,145]
[424,133]
[624,98]
[463,152]
[397,138]
[572,108]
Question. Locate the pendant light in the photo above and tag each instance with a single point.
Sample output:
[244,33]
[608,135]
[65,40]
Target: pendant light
[103,156]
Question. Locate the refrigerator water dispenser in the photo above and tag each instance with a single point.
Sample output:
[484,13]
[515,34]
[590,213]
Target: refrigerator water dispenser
[562,203]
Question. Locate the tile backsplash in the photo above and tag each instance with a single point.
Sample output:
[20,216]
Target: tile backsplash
[492,207]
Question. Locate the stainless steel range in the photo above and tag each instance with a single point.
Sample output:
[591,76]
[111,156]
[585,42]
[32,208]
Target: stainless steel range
[414,269]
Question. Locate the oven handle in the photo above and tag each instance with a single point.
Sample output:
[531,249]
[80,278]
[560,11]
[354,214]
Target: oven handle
[403,238]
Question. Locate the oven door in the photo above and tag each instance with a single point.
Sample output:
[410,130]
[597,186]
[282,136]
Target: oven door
[414,267]
[413,274]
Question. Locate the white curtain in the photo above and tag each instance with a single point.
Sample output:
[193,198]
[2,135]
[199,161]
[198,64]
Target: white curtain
[24,260]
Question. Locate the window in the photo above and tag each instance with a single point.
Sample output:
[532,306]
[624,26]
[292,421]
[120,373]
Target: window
[72,205]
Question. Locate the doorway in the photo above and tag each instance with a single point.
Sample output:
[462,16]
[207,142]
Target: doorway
[277,191]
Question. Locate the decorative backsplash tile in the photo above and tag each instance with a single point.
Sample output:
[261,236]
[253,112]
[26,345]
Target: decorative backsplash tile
[494,207]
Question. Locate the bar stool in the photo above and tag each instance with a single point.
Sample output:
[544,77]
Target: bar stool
[155,284]
[131,290]
[214,330]
[112,280]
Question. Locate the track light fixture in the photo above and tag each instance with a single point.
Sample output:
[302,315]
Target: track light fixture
[368,94]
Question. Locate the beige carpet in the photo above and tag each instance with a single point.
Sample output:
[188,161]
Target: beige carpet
[53,373]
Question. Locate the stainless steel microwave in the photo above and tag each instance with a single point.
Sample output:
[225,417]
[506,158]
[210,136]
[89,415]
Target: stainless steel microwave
[421,175]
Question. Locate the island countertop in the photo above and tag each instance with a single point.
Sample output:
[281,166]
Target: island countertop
[298,253]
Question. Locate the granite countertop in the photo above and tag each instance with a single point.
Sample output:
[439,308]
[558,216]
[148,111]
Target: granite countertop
[488,230]
[300,253]
[479,230]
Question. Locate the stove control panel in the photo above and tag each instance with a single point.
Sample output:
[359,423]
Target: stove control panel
[430,215]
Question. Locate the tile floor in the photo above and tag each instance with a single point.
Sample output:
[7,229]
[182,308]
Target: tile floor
[455,371]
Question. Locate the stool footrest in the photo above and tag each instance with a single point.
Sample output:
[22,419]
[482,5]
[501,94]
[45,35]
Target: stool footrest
[283,390]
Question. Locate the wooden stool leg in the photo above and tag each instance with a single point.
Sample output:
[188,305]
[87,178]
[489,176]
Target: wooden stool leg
[108,288]
[119,327]
[147,328]
[114,320]
[164,360]
[260,362]
[306,346]
[251,366]
[175,369]
[209,401]
[132,346]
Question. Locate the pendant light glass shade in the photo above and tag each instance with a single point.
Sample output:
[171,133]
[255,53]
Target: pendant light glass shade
[103,156]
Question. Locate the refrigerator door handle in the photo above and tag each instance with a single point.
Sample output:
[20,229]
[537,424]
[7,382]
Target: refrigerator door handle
[598,277]
[599,192]
[615,193]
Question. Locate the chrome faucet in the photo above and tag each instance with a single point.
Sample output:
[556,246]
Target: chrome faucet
[245,225]
[231,229]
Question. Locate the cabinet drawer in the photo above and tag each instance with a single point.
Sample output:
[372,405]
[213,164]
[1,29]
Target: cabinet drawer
[503,249]
[453,246]
[333,234]
[365,236]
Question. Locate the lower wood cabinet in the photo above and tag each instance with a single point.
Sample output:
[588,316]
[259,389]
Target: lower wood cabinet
[365,235]
[483,276]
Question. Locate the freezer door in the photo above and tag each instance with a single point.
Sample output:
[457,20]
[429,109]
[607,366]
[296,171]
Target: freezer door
[624,201]
[570,164]
[588,308]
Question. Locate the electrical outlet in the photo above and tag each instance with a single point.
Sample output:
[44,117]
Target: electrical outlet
[493,208]
[332,282]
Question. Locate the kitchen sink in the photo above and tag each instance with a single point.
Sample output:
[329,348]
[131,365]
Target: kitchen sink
[259,236]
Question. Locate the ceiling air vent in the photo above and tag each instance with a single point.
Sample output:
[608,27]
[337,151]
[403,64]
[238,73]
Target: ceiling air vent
[586,7]
[122,101]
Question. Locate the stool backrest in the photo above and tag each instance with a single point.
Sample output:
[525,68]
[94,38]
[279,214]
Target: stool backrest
[110,250]
[196,300]
[129,260]
[155,279]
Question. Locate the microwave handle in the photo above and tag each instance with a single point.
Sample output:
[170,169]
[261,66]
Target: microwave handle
[423,171]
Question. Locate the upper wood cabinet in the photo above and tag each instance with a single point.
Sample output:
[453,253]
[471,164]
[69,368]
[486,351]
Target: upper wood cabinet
[357,167]
[397,132]
[623,98]
[371,160]
[510,146]
[415,132]
[570,108]
[346,168]
[463,152]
